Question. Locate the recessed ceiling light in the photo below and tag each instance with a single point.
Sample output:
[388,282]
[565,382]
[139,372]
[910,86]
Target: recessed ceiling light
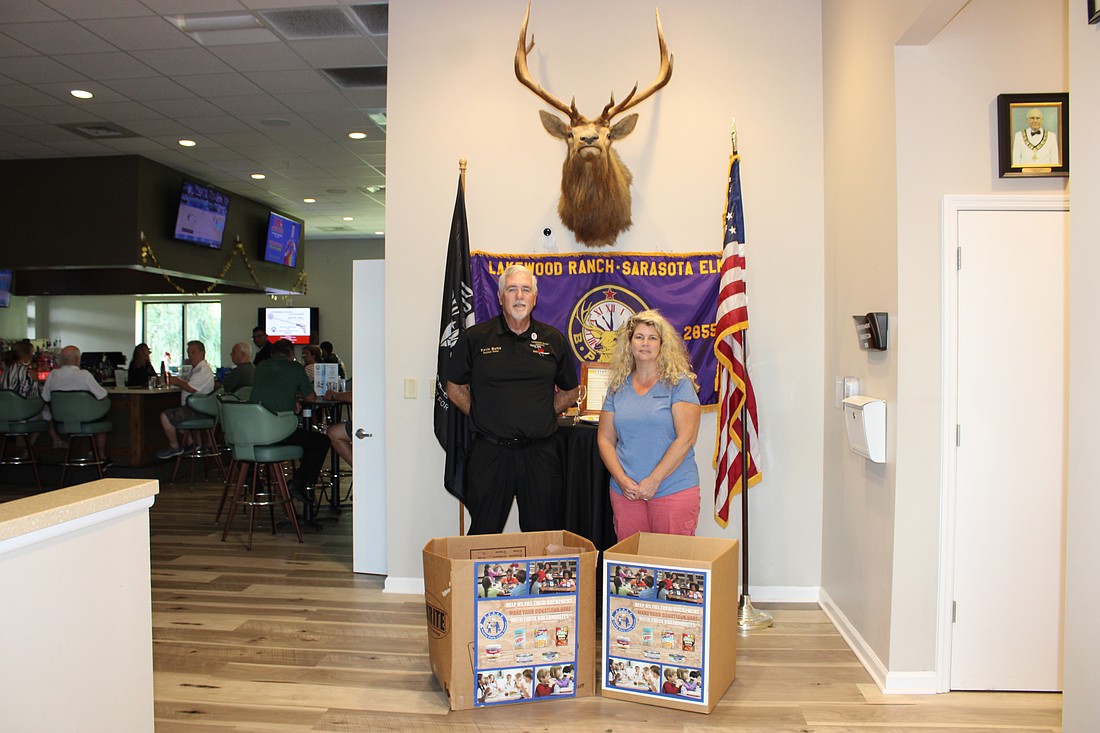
[309,201]
[349,218]
[81,94]
[258,176]
[357,135]
[379,233]
[187,143]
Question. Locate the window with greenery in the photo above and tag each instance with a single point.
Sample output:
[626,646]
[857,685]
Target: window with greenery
[167,327]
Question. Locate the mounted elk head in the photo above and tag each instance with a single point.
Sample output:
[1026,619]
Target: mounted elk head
[595,185]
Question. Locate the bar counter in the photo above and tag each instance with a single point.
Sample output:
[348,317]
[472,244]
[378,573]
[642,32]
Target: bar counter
[135,414]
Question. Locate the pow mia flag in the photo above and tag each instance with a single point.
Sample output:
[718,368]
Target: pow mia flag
[452,428]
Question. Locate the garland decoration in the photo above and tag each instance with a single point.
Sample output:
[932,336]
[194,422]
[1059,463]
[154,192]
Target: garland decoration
[148,256]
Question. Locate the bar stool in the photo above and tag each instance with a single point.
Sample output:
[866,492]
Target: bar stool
[202,430]
[79,414]
[253,434]
[19,417]
[241,395]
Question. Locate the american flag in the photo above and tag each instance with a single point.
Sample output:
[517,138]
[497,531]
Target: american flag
[736,400]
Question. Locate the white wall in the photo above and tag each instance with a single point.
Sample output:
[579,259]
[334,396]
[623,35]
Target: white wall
[453,94]
[1081,704]
[963,69]
[881,528]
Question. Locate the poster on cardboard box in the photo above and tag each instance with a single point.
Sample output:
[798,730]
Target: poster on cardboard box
[526,629]
[655,631]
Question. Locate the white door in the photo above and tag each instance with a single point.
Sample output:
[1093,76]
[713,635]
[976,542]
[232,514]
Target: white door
[369,416]
[1011,459]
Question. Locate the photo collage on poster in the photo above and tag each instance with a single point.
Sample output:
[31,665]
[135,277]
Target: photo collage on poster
[526,622]
[653,635]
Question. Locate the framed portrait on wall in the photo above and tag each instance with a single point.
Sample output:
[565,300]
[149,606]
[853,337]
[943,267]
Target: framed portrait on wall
[1094,11]
[1033,135]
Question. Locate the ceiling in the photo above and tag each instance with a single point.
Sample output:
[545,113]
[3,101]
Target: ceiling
[269,87]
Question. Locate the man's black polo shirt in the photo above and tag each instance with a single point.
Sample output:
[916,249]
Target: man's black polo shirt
[512,377]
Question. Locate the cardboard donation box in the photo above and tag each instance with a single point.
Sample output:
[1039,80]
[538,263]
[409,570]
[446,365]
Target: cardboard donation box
[511,617]
[670,620]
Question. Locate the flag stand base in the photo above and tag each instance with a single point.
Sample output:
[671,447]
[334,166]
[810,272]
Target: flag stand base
[750,619]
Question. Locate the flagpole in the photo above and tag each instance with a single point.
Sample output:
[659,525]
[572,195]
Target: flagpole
[748,618]
[461,505]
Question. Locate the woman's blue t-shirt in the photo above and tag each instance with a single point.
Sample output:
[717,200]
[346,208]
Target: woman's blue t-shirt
[644,430]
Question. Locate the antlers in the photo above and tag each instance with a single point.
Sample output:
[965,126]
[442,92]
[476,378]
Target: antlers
[523,74]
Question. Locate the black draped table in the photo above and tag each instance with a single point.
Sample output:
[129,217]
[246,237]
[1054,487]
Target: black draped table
[587,505]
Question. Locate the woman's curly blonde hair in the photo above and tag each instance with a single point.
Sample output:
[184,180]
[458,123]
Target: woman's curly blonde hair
[672,361]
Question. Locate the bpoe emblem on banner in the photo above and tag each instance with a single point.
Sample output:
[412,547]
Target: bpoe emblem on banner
[596,318]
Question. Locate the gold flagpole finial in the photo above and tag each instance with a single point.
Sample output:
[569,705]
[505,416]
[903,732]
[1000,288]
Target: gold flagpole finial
[733,134]
[462,171]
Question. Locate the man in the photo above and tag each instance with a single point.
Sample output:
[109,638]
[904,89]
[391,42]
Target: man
[1034,146]
[244,369]
[503,376]
[263,345]
[199,381]
[328,356]
[69,377]
[278,384]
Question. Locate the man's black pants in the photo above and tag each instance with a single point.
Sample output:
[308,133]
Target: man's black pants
[530,473]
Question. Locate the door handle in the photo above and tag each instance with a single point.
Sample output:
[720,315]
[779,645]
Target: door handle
[360,434]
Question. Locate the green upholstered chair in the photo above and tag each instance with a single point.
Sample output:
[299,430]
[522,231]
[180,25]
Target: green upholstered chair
[204,444]
[254,434]
[19,417]
[78,414]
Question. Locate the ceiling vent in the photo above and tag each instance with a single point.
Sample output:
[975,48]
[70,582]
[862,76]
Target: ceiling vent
[311,23]
[375,18]
[98,130]
[357,77]
[336,229]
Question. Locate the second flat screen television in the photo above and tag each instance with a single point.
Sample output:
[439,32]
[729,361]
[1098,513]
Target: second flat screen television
[297,325]
[283,237]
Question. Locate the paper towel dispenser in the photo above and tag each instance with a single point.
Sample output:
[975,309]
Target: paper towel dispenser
[865,420]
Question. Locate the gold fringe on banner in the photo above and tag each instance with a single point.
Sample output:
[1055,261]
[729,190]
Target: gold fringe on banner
[147,256]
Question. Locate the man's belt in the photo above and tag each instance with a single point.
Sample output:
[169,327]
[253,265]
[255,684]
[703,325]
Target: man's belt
[508,442]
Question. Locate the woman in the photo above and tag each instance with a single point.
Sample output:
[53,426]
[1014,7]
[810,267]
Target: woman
[140,369]
[18,376]
[647,432]
[310,355]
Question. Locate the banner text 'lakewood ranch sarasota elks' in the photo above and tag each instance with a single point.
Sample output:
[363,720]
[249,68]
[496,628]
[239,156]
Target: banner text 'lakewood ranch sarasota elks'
[588,296]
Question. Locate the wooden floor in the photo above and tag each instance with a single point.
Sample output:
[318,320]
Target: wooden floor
[286,639]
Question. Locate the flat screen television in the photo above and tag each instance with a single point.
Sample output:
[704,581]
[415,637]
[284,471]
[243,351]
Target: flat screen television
[5,288]
[297,325]
[284,235]
[201,216]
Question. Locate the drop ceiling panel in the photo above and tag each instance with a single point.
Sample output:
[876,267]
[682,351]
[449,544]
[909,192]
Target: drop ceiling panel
[11,47]
[87,9]
[140,34]
[339,52]
[193,107]
[175,61]
[282,82]
[219,85]
[26,11]
[106,66]
[150,88]
[268,57]
[51,38]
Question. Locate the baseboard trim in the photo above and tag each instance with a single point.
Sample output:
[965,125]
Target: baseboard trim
[783,593]
[413,586]
[890,683]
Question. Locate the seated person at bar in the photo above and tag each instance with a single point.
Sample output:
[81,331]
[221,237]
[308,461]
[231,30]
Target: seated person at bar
[263,345]
[141,369]
[69,377]
[328,356]
[242,373]
[310,355]
[278,384]
[339,434]
[19,377]
[199,381]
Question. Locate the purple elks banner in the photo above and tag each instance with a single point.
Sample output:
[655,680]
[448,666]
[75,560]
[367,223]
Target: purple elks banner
[588,296]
